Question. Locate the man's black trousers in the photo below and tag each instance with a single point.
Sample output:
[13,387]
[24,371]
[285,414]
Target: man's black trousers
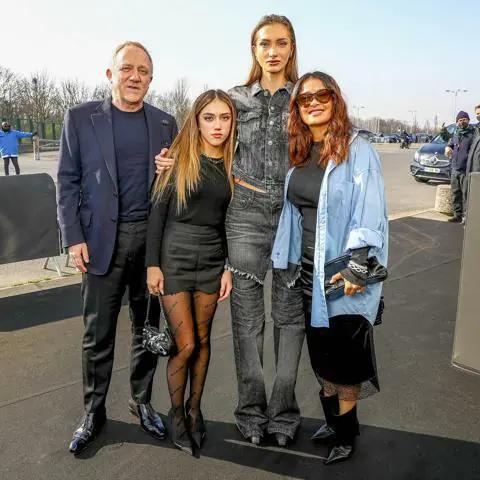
[458,183]
[102,297]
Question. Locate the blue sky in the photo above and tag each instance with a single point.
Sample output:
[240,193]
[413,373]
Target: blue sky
[390,57]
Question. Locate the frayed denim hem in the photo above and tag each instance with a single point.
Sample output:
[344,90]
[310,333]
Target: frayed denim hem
[249,276]
[292,282]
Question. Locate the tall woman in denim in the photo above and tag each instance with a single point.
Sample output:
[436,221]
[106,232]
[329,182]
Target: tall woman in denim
[260,166]
[334,205]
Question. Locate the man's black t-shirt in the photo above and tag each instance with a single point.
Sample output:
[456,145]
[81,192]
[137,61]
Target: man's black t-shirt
[131,141]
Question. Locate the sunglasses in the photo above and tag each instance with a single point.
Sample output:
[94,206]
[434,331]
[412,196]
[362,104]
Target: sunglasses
[321,96]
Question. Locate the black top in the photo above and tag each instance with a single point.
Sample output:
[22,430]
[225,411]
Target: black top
[206,206]
[304,192]
[131,141]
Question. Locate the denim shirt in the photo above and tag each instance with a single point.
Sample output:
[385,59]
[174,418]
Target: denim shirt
[351,214]
[261,157]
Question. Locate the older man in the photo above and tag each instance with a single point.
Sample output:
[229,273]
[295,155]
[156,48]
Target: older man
[105,173]
[458,148]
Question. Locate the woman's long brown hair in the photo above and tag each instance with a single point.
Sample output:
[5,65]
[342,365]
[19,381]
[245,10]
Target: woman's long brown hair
[300,139]
[291,69]
[186,149]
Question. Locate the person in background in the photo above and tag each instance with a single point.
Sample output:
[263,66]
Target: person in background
[457,149]
[9,146]
[473,161]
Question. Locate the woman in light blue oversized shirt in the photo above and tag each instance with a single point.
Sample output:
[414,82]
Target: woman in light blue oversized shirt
[334,205]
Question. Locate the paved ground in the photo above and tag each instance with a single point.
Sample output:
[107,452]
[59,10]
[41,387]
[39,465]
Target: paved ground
[423,425]
[404,195]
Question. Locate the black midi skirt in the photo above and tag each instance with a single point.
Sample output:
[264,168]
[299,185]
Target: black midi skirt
[344,353]
[192,258]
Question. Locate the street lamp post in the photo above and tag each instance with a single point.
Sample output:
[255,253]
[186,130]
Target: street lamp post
[455,93]
[414,119]
[358,107]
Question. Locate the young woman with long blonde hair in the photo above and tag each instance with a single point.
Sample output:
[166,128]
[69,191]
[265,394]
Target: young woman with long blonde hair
[187,252]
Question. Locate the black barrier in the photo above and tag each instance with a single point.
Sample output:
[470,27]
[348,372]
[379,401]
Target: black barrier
[28,218]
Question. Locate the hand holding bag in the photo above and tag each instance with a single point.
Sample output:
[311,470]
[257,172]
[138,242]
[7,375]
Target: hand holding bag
[158,340]
[376,273]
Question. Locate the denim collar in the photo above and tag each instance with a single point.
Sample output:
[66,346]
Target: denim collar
[256,88]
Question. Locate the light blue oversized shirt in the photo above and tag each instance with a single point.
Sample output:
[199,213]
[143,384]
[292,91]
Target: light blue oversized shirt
[352,213]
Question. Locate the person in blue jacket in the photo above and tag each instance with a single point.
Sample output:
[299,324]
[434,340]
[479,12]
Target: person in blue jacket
[9,146]
[334,205]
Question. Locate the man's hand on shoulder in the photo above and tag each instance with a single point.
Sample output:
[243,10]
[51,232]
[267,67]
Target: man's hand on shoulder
[162,162]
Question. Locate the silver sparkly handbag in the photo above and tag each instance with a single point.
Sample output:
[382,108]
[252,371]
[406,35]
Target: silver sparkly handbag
[158,340]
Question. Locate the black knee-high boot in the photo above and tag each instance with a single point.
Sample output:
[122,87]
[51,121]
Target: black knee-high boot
[346,429]
[330,409]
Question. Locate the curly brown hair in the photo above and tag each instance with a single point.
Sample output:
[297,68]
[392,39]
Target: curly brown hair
[300,139]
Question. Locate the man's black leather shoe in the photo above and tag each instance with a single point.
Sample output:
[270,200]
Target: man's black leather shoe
[86,432]
[150,420]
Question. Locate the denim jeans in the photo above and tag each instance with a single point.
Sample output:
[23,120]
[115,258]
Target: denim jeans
[251,224]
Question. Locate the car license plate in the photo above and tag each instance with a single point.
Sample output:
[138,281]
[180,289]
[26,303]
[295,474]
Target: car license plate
[432,170]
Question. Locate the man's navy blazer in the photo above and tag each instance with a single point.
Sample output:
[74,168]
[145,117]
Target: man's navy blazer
[87,186]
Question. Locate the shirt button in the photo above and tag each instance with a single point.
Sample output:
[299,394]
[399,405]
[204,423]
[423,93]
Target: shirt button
[265,93]
[272,109]
[270,142]
[271,122]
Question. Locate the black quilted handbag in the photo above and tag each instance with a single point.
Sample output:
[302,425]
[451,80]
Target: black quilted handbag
[158,340]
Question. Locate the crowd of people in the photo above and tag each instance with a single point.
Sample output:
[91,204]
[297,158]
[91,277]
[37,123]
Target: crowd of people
[269,176]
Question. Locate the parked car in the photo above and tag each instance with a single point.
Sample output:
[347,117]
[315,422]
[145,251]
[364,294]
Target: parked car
[366,134]
[393,138]
[423,137]
[377,138]
[430,161]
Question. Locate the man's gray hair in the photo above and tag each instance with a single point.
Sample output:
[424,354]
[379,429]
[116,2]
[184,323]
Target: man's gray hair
[129,43]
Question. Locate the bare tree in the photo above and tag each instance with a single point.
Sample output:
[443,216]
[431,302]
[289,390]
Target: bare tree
[176,102]
[40,99]
[181,103]
[101,91]
[38,96]
[71,93]
[8,93]
[151,97]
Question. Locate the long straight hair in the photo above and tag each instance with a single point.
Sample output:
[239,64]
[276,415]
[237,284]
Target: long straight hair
[291,70]
[186,148]
[300,139]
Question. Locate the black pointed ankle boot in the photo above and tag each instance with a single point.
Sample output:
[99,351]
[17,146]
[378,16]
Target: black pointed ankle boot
[330,409]
[178,431]
[346,429]
[196,426]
